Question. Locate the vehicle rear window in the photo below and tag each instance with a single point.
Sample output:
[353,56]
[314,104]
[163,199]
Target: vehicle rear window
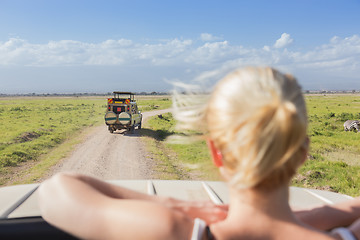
[118,109]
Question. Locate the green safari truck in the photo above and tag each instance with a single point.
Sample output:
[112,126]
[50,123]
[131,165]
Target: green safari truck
[122,112]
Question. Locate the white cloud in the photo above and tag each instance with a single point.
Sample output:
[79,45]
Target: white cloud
[207,37]
[210,52]
[340,56]
[16,52]
[339,52]
[283,41]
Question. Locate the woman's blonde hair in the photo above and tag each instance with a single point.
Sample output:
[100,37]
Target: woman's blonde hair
[257,119]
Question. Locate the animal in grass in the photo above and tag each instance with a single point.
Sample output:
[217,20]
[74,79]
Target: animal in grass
[351,125]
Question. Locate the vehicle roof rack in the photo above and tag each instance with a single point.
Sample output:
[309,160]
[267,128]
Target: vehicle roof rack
[116,92]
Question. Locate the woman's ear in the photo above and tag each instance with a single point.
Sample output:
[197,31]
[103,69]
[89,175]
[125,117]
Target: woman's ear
[215,153]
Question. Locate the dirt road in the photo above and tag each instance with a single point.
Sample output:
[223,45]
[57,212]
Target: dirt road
[109,156]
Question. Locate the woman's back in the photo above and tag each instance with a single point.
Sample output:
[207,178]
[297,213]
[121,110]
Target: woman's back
[263,215]
[265,228]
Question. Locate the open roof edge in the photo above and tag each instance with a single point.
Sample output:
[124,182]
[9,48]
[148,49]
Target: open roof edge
[116,92]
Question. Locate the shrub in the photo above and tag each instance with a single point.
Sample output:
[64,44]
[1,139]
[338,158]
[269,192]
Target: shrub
[345,116]
[330,115]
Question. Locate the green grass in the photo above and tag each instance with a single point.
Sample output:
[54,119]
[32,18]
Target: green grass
[148,103]
[30,127]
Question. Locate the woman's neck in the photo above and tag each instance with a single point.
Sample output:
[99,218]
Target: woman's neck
[266,203]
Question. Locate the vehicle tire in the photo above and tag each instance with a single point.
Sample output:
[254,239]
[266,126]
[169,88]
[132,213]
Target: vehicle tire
[111,130]
[132,129]
[139,127]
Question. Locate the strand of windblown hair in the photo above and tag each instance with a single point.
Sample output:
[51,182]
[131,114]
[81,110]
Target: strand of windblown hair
[189,111]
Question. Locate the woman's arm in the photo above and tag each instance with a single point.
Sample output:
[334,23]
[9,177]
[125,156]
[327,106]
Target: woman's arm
[109,189]
[205,210]
[88,208]
[330,216]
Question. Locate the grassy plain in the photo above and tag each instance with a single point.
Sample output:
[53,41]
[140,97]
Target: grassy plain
[31,127]
[334,158]
[41,130]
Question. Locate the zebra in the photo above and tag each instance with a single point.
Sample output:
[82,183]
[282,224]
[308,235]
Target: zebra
[350,125]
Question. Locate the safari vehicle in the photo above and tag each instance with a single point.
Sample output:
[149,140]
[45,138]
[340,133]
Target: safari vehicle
[122,112]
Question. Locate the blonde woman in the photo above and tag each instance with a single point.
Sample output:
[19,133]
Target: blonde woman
[255,124]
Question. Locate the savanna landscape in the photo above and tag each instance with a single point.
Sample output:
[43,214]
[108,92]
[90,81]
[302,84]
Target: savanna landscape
[37,132]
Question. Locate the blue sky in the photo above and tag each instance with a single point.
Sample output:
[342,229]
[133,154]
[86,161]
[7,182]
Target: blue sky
[49,46]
